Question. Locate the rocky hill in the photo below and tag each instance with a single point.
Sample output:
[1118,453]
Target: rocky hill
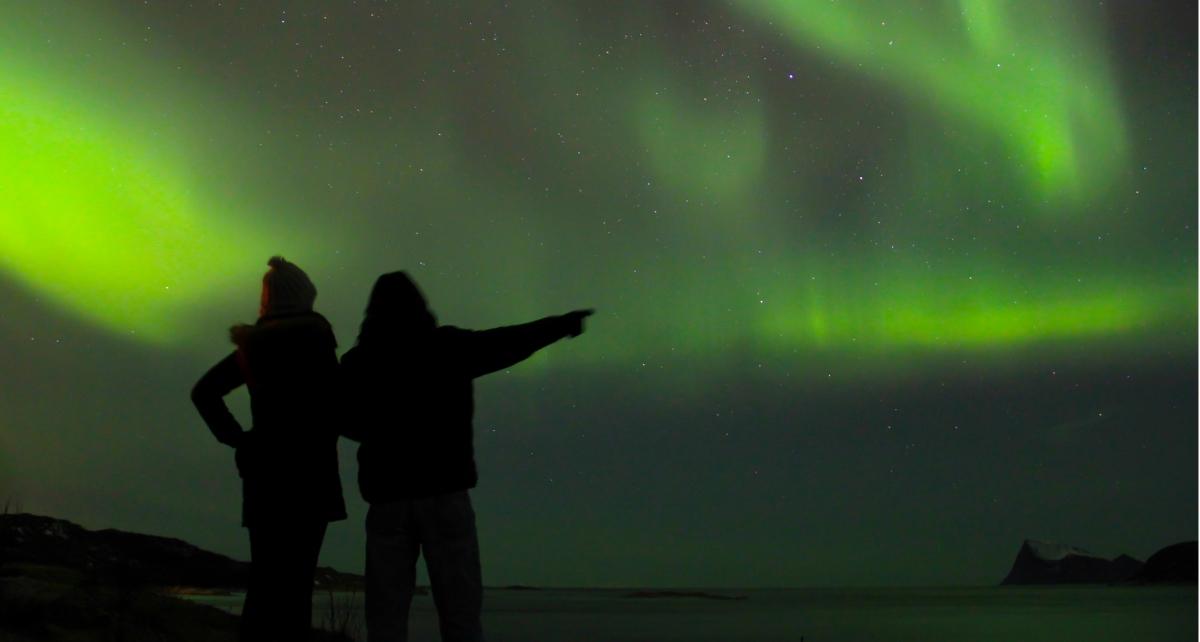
[60,582]
[1040,562]
[1175,564]
[115,556]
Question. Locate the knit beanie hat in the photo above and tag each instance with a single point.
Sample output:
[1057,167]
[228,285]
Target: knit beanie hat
[286,289]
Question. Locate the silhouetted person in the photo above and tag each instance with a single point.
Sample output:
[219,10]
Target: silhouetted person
[410,382]
[288,460]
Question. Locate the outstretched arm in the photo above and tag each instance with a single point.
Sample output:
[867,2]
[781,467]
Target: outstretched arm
[208,395]
[487,351]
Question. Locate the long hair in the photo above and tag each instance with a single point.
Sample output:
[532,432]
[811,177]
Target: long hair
[396,310]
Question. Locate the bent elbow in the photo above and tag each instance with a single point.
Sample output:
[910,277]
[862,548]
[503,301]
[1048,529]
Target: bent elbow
[200,395]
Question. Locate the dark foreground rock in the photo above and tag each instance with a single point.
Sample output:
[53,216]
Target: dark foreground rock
[120,557]
[114,556]
[1041,562]
[1175,564]
[60,582]
[61,604]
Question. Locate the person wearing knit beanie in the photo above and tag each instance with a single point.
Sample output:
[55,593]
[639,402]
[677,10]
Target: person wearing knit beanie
[286,289]
[287,460]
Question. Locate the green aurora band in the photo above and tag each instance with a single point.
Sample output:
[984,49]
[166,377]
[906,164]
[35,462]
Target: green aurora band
[106,213]
[100,225]
[1032,74]
[103,213]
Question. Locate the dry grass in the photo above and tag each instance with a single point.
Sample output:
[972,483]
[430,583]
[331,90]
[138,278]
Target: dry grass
[11,506]
[343,614]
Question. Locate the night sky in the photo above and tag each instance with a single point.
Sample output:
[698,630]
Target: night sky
[882,288]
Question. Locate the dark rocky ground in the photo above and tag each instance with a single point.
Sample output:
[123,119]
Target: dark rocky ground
[60,582]
[60,604]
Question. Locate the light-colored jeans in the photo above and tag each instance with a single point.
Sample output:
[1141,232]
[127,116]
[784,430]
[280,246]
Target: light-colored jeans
[443,527]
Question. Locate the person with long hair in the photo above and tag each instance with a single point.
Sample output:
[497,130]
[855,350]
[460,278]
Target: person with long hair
[409,384]
[288,459]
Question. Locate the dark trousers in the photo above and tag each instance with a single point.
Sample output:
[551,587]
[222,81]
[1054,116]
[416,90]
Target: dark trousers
[443,527]
[283,560]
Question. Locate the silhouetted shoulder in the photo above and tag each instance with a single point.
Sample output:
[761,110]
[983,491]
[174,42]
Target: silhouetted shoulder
[310,327]
[451,347]
[352,357]
[355,368]
[362,367]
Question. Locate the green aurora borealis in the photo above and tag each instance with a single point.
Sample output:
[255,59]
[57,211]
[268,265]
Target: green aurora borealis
[792,216]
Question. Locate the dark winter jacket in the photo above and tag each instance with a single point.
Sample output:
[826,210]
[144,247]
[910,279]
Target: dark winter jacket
[288,460]
[412,401]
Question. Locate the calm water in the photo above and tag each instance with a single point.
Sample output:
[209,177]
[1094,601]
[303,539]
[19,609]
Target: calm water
[1058,614]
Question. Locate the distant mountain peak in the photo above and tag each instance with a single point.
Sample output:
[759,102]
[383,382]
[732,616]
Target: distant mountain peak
[1044,562]
[1053,551]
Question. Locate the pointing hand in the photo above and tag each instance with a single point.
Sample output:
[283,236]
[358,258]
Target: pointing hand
[574,321]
